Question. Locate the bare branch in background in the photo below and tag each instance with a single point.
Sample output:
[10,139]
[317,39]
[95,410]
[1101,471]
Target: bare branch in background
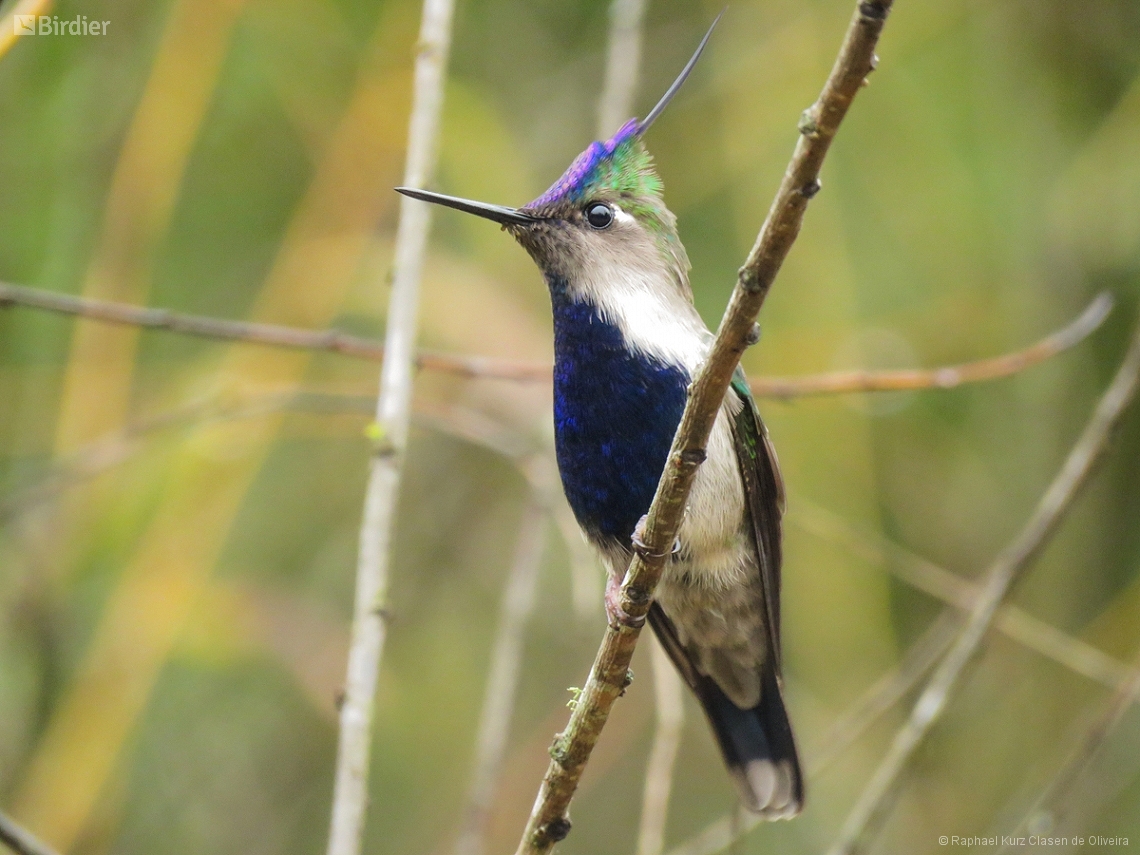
[119,447]
[585,572]
[885,692]
[1049,808]
[201,326]
[609,676]
[502,680]
[1014,558]
[670,701]
[520,371]
[1012,621]
[393,414]
[115,449]
[20,840]
[623,64]
[940,378]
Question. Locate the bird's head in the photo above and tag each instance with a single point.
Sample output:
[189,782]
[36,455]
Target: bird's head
[606,212]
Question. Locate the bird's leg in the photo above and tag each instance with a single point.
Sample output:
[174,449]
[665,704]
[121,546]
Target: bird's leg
[614,612]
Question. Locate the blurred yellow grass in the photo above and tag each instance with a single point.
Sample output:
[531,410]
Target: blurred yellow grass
[212,471]
[8,35]
[144,189]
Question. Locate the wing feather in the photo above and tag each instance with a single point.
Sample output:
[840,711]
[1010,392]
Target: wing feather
[764,500]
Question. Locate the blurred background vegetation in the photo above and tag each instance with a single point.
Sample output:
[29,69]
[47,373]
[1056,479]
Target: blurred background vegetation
[178,517]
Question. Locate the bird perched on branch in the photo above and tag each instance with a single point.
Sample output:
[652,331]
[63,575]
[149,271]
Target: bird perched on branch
[627,342]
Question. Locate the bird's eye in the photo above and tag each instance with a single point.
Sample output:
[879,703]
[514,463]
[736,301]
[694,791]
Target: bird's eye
[599,215]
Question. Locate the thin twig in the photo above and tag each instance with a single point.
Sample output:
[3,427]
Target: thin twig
[537,465]
[20,840]
[523,371]
[623,63]
[196,325]
[609,676]
[1005,569]
[885,692]
[924,575]
[670,702]
[502,680]
[118,447]
[393,413]
[1050,805]
[946,377]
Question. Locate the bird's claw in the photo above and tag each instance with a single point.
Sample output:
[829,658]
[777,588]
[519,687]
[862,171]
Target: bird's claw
[616,616]
[642,548]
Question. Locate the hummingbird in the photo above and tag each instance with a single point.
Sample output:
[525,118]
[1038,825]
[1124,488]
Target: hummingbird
[627,342]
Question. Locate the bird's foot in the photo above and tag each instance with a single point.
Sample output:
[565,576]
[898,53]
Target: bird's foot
[615,614]
[642,548]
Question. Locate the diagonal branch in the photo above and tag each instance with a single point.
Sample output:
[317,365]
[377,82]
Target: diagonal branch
[1054,799]
[609,676]
[393,414]
[924,575]
[623,62]
[997,581]
[522,371]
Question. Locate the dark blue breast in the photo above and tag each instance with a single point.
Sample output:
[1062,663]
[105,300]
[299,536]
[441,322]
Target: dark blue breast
[615,413]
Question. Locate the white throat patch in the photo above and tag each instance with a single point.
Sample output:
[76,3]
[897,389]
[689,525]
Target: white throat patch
[639,295]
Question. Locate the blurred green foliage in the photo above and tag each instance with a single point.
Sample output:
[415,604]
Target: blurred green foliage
[173,626]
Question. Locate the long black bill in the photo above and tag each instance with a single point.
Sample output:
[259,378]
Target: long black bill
[498,213]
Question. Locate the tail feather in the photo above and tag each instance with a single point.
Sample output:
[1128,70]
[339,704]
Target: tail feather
[758,748]
[756,743]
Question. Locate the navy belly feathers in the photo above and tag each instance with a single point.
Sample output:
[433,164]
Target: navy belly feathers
[615,413]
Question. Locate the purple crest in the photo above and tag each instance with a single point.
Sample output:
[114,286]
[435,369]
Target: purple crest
[585,167]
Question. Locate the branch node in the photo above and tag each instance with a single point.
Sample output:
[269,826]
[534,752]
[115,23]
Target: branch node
[559,749]
[872,10]
[753,336]
[809,190]
[637,595]
[553,832]
[383,612]
[808,124]
[384,450]
[693,456]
